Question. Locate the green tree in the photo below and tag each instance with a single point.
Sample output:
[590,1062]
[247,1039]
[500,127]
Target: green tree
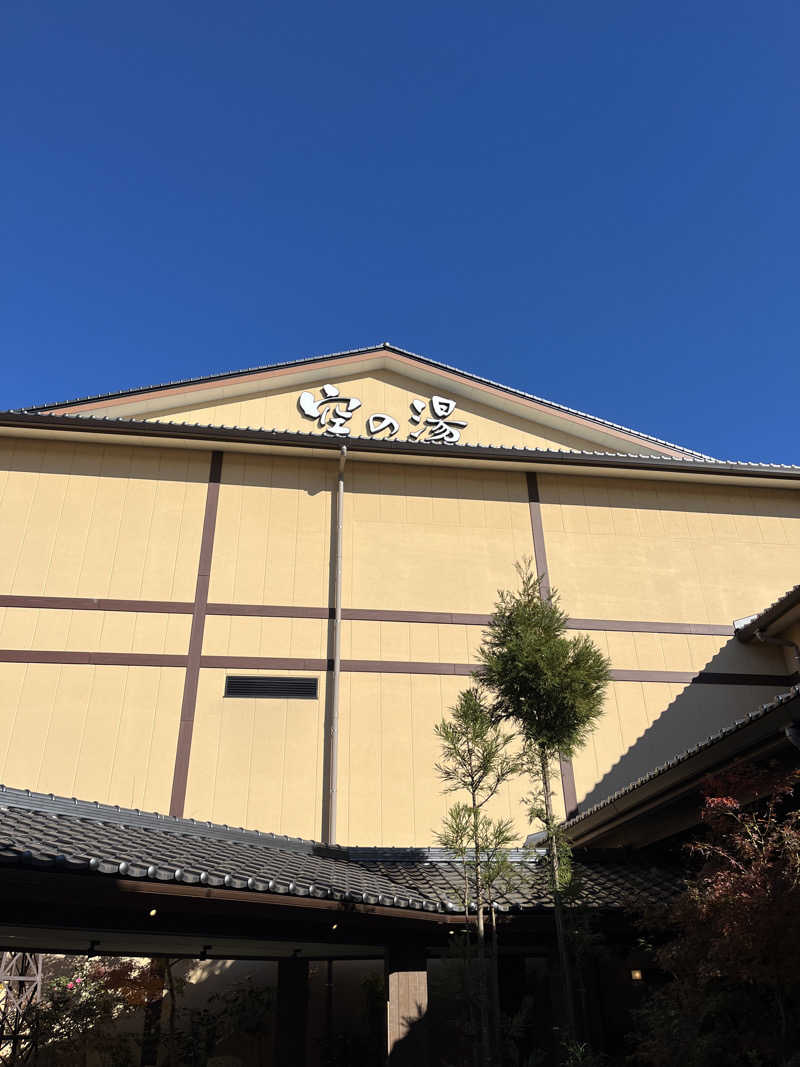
[551,687]
[477,757]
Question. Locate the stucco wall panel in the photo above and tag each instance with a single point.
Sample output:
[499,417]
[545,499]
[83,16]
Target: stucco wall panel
[50,629]
[273,531]
[253,636]
[417,642]
[100,733]
[256,763]
[658,551]
[683,652]
[455,561]
[84,520]
[389,792]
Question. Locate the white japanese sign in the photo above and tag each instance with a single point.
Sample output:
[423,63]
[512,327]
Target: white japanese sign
[428,420]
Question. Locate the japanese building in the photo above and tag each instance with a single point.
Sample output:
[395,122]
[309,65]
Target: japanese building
[247,599]
[168,580]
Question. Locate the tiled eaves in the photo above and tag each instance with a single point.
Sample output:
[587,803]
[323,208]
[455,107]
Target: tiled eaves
[760,712]
[62,834]
[296,438]
[73,835]
[386,347]
[769,615]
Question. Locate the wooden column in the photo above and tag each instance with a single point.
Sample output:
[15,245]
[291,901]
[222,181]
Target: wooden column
[292,1013]
[407,1006]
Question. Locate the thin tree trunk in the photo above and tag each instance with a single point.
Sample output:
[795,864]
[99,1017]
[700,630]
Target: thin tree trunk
[171,1059]
[466,960]
[495,981]
[558,910]
[151,1023]
[483,999]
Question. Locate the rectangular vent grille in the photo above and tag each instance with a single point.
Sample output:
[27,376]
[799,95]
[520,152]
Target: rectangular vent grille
[239,685]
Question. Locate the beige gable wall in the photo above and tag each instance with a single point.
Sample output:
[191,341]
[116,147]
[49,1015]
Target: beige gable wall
[96,521]
[381,391]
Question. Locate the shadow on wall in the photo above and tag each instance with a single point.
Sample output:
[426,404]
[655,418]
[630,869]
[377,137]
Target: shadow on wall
[694,716]
[412,1049]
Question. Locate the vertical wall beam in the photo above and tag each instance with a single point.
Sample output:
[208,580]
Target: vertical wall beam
[406,1006]
[183,751]
[540,562]
[330,758]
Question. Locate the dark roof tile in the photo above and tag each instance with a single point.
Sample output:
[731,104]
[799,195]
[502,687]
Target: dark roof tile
[51,832]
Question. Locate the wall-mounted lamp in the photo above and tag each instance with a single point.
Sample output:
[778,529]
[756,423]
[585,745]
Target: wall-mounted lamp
[636,976]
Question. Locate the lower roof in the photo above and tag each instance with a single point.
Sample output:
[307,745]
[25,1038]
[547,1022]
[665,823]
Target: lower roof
[59,834]
[762,729]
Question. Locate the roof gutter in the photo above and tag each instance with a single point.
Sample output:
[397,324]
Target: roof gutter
[760,623]
[164,433]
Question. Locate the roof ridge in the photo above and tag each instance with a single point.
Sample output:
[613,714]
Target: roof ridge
[385,346]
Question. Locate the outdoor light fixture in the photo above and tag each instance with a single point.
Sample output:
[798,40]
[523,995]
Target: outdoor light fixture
[636,976]
[334,926]
[153,911]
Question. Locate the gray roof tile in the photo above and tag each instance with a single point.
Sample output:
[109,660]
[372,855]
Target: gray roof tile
[56,833]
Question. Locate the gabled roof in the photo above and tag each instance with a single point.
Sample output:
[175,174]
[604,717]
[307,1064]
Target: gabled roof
[60,834]
[541,408]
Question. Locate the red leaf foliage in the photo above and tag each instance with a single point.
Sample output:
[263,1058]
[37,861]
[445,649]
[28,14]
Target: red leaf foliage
[733,937]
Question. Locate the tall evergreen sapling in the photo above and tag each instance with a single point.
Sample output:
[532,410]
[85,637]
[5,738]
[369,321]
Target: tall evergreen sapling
[477,758]
[552,687]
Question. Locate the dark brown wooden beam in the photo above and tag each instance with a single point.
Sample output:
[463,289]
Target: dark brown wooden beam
[292,1013]
[180,774]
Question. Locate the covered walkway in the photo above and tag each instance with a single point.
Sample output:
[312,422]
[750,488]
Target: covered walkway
[85,878]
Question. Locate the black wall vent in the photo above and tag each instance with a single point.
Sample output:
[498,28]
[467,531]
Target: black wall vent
[244,685]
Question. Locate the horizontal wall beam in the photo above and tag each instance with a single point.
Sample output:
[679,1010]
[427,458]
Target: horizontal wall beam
[290,611]
[362,666]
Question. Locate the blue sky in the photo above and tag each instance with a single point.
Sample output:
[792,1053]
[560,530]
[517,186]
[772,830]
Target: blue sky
[597,203]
